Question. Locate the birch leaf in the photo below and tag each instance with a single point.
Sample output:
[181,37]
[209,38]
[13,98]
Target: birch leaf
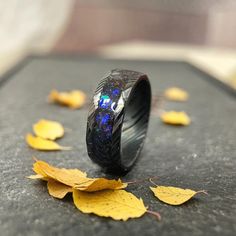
[57,189]
[74,178]
[175,118]
[176,94]
[173,195]
[97,184]
[117,204]
[43,144]
[48,129]
[74,99]
[66,176]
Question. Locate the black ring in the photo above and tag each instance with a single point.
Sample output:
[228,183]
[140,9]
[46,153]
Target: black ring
[118,120]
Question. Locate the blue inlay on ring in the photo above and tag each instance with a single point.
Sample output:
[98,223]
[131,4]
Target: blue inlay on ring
[103,119]
[104,101]
[115,92]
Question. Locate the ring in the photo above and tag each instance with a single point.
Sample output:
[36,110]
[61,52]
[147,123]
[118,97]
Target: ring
[118,120]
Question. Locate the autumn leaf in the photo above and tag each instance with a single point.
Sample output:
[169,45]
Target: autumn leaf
[174,195]
[93,195]
[74,178]
[176,94]
[57,189]
[175,118]
[43,144]
[66,176]
[96,184]
[117,204]
[48,129]
[74,99]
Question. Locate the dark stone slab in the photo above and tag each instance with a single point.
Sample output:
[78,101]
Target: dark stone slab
[200,156]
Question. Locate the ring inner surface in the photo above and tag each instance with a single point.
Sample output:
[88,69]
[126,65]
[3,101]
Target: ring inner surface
[135,122]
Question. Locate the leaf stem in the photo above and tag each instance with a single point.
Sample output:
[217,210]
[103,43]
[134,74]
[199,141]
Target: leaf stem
[141,180]
[150,179]
[203,191]
[155,213]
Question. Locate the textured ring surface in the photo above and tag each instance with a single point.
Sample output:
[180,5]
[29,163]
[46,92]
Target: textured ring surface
[118,120]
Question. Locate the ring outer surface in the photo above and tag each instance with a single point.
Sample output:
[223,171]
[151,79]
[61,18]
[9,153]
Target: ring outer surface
[106,116]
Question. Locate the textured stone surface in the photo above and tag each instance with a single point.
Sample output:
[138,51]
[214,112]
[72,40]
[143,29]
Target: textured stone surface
[201,156]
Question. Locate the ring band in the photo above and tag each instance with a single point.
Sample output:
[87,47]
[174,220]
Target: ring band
[118,120]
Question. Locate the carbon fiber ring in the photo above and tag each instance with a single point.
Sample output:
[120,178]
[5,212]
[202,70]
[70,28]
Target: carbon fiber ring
[118,120]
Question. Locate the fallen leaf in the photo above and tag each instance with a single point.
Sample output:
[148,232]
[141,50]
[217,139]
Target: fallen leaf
[74,178]
[175,118]
[48,129]
[66,176]
[173,195]
[57,189]
[43,144]
[74,99]
[96,184]
[96,195]
[176,94]
[117,204]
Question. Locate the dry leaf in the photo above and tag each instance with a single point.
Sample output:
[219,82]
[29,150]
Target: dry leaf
[47,129]
[176,94]
[57,189]
[117,204]
[173,195]
[96,184]
[175,118]
[66,176]
[74,99]
[43,144]
[74,178]
[91,198]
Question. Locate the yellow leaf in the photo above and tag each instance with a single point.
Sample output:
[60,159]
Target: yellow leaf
[74,99]
[175,118]
[96,184]
[57,189]
[47,129]
[173,195]
[74,178]
[66,176]
[38,170]
[96,195]
[43,144]
[176,94]
[117,204]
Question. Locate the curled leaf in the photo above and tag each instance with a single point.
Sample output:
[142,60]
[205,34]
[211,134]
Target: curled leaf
[173,195]
[57,189]
[93,195]
[176,94]
[74,99]
[175,118]
[43,144]
[48,129]
[74,178]
[96,184]
[117,204]
[66,176]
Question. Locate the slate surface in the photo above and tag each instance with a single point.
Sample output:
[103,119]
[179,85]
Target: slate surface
[201,156]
